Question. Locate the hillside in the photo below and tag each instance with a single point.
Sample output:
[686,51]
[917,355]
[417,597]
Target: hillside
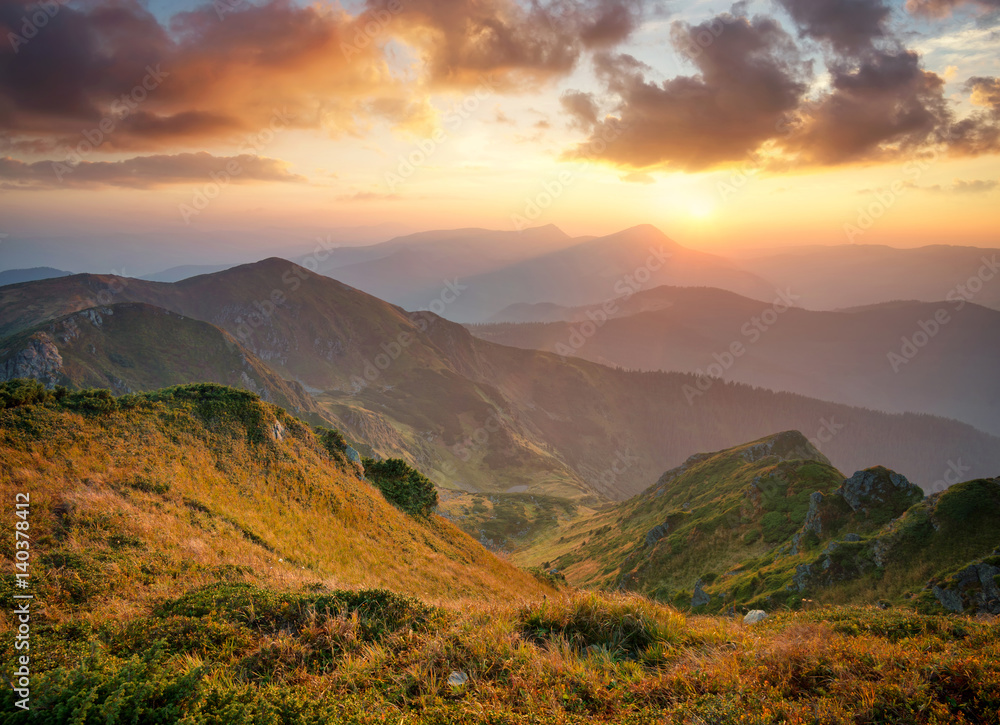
[198,557]
[838,356]
[772,523]
[494,420]
[152,494]
[134,347]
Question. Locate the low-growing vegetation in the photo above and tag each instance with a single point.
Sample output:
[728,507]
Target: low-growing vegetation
[237,653]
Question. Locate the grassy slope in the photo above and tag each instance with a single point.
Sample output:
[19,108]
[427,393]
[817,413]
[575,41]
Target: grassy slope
[719,509]
[134,504]
[737,526]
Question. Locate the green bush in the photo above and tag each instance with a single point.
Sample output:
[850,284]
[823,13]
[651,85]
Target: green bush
[402,486]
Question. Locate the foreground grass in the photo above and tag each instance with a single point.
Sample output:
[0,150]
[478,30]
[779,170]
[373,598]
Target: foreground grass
[236,653]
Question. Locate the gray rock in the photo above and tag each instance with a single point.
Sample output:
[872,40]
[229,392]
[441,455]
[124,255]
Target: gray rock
[813,522]
[852,537]
[950,599]
[801,577]
[457,678]
[796,540]
[700,597]
[874,486]
[352,455]
[656,533]
[39,360]
[754,616]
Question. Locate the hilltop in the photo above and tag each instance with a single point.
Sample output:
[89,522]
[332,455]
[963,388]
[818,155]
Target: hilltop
[134,347]
[772,523]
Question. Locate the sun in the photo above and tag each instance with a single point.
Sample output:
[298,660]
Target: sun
[701,208]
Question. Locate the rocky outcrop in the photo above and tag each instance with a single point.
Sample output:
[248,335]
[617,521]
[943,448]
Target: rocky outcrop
[754,616]
[700,597]
[787,446]
[39,360]
[656,533]
[879,487]
[974,589]
[814,522]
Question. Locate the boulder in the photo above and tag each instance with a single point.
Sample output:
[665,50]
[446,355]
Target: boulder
[754,616]
[700,597]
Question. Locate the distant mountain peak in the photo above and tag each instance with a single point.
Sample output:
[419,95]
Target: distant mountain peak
[789,445]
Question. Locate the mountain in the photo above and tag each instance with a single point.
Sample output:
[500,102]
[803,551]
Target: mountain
[414,271]
[489,419]
[937,358]
[849,275]
[602,269]
[176,274]
[16,276]
[772,523]
[133,347]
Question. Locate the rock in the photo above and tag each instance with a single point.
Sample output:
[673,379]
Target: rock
[39,360]
[276,430]
[457,678]
[801,577]
[352,455]
[788,446]
[852,537]
[950,599]
[796,540]
[757,615]
[700,597]
[656,533]
[879,485]
[813,521]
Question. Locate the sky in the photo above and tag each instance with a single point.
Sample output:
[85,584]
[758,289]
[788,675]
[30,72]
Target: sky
[217,131]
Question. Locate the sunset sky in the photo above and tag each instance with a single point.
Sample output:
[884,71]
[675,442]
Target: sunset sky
[739,126]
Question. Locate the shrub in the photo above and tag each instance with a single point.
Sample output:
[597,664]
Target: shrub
[622,626]
[402,486]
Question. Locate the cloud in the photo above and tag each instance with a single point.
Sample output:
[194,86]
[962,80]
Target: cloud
[521,45]
[143,172]
[850,26]
[204,77]
[750,97]
[975,186]
[944,8]
[750,76]
[886,106]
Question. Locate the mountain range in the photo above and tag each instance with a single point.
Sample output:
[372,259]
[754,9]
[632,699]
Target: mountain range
[485,418]
[925,357]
